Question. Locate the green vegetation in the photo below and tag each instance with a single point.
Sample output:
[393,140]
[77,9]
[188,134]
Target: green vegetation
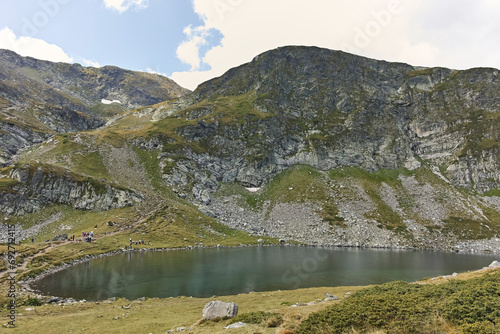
[494,192]
[471,306]
[330,214]
[468,229]
[90,164]
[7,183]
[297,184]
[33,301]
[107,110]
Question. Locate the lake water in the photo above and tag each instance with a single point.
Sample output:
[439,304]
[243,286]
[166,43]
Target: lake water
[225,271]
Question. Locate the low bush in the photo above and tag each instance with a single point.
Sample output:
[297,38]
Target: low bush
[471,306]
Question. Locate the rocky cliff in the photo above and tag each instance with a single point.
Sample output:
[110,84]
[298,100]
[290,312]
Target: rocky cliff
[28,188]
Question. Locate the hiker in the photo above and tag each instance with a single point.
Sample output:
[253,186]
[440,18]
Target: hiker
[32,239]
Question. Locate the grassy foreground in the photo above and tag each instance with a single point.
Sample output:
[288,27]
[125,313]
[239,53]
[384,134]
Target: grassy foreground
[160,315]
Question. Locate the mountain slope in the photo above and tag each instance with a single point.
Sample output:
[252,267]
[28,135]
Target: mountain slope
[345,150]
[39,98]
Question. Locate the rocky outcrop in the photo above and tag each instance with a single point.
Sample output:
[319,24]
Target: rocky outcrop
[39,186]
[218,310]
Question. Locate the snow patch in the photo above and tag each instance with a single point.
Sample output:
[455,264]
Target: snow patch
[104,101]
[253,190]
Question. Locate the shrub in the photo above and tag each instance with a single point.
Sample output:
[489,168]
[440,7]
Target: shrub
[399,307]
[33,301]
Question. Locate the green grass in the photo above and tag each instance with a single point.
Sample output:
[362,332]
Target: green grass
[107,110]
[90,164]
[297,184]
[7,183]
[493,192]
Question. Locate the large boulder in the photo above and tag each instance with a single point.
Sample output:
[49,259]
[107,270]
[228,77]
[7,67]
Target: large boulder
[217,309]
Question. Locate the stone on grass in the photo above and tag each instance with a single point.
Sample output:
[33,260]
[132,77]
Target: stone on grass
[217,309]
[236,325]
[330,297]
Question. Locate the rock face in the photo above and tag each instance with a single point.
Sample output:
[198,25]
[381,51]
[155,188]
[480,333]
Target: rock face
[328,109]
[37,186]
[39,98]
[217,309]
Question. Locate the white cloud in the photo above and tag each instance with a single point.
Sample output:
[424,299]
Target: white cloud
[188,51]
[452,33]
[32,47]
[87,62]
[123,5]
[149,70]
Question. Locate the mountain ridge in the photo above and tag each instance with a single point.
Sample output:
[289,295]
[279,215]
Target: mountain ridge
[393,155]
[39,98]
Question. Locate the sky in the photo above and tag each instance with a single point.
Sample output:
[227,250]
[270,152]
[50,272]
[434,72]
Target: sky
[192,41]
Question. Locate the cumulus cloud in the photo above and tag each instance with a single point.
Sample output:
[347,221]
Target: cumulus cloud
[123,5]
[32,47]
[189,51]
[91,63]
[421,32]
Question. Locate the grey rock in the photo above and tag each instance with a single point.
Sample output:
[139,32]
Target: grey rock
[236,325]
[217,309]
[39,187]
[53,300]
[330,297]
[61,237]
[494,264]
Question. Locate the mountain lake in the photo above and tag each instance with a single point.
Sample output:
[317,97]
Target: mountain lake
[225,271]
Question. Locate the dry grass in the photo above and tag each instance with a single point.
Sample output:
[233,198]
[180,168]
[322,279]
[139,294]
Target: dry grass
[161,315]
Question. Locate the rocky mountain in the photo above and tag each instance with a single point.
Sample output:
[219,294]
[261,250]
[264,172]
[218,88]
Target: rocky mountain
[39,98]
[316,146]
[329,109]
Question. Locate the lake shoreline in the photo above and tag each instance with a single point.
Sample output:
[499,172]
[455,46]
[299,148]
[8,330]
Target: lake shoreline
[27,284]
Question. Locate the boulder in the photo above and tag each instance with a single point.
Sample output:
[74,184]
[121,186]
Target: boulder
[494,264]
[330,297]
[217,309]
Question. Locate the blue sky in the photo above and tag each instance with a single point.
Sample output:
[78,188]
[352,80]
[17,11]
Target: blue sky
[137,38]
[194,40]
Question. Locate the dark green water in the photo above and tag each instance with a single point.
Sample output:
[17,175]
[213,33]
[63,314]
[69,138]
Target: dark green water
[225,271]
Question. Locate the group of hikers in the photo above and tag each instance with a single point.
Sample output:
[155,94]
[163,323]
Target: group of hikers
[139,242]
[87,236]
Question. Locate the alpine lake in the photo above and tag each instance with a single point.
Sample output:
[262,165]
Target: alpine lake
[207,272]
